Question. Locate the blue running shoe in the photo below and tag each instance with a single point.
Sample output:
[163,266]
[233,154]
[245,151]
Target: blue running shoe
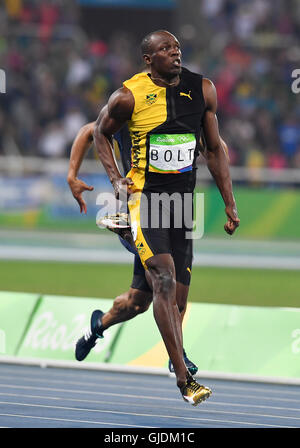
[192,368]
[85,344]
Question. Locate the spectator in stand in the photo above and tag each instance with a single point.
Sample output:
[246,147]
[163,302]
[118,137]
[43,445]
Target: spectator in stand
[289,134]
[254,50]
[276,160]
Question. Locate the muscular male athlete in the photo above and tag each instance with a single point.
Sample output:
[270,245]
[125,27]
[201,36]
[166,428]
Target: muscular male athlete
[166,110]
[139,297]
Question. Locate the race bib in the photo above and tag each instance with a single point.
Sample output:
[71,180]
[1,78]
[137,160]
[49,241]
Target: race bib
[171,153]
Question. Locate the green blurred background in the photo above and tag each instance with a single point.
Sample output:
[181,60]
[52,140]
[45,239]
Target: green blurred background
[234,270]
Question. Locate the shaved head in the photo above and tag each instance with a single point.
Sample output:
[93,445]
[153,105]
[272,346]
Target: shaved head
[146,43]
[162,54]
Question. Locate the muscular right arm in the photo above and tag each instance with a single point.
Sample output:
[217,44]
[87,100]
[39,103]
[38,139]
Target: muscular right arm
[118,112]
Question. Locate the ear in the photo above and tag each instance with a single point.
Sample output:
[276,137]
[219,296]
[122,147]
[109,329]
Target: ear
[147,59]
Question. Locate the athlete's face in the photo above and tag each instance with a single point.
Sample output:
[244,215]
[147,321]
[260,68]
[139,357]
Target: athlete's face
[165,56]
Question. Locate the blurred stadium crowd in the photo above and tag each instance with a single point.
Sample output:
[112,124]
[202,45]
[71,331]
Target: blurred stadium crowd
[58,78]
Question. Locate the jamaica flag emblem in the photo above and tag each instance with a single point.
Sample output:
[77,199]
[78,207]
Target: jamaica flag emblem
[140,248]
[151,98]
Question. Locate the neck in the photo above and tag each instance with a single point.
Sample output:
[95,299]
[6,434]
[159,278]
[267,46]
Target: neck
[164,81]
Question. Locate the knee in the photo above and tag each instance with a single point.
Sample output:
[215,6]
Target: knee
[141,308]
[139,302]
[165,282]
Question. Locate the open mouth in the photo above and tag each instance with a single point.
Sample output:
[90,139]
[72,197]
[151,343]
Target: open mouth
[177,62]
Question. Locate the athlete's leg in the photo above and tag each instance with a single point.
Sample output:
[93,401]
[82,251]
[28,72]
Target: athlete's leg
[181,299]
[182,252]
[154,247]
[131,303]
[126,306]
[182,292]
[161,270]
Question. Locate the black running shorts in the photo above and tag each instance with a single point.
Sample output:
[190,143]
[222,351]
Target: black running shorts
[161,224]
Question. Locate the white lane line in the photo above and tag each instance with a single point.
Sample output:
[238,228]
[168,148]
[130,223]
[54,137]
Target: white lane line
[20,370]
[158,371]
[162,382]
[118,395]
[211,404]
[97,385]
[91,255]
[199,419]
[166,387]
[126,377]
[132,377]
[206,410]
[47,397]
[76,391]
[81,384]
[260,406]
[153,397]
[74,421]
[257,397]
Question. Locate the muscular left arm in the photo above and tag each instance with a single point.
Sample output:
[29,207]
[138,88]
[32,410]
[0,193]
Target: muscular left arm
[217,161]
[203,149]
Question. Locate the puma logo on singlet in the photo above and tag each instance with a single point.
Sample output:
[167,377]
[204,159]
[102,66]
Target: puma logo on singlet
[187,94]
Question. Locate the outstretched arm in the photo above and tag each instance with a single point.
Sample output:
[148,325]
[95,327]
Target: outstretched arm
[217,160]
[81,144]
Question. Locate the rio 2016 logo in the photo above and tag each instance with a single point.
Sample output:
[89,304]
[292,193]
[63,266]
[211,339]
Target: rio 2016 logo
[2,81]
[296,83]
